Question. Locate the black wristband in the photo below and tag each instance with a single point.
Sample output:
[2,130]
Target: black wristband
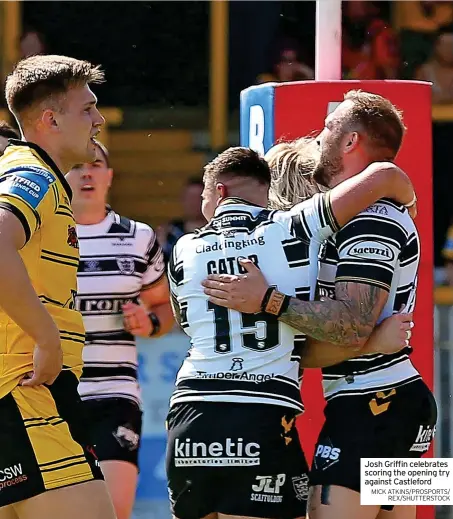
[266,298]
[285,305]
[155,322]
[276,302]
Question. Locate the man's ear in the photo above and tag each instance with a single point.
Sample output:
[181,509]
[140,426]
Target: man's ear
[351,142]
[48,118]
[221,192]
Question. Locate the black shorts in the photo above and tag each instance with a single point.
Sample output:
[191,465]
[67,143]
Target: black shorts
[115,428]
[44,441]
[235,459]
[395,423]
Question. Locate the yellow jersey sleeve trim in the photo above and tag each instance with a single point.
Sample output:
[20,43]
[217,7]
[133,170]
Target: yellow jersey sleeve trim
[19,215]
[30,218]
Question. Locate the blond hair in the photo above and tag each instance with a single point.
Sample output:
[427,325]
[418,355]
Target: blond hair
[292,164]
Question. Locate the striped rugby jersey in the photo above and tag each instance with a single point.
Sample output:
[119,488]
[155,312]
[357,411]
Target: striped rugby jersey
[37,193]
[243,357]
[379,247]
[118,259]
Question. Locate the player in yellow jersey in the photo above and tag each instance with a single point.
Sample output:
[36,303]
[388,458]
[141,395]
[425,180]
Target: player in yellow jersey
[47,468]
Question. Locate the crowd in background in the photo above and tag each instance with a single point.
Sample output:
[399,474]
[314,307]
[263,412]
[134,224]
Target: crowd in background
[147,64]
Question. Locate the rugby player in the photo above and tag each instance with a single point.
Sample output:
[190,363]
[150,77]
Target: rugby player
[233,450]
[368,270]
[122,293]
[48,465]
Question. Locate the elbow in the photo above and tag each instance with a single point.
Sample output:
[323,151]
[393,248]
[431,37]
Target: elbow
[358,344]
[347,339]
[361,335]
[352,343]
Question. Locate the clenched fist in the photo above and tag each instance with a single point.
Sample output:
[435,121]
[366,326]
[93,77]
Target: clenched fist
[136,320]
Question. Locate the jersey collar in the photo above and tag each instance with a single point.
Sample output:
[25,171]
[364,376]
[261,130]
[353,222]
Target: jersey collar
[233,200]
[47,159]
[97,229]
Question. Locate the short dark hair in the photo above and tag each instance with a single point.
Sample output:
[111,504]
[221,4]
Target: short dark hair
[7,131]
[378,118]
[239,162]
[104,151]
[37,78]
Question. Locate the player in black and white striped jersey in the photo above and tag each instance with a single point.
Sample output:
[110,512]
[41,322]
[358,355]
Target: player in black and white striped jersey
[381,247]
[378,406]
[375,260]
[238,391]
[122,293]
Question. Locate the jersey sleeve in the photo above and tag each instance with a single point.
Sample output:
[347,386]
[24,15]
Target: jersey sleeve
[172,275]
[155,264]
[30,193]
[175,279]
[368,250]
[313,219]
[175,269]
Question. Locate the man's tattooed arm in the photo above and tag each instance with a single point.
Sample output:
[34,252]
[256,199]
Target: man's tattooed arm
[347,321]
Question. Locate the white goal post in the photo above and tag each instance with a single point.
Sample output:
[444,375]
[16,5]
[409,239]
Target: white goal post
[328,40]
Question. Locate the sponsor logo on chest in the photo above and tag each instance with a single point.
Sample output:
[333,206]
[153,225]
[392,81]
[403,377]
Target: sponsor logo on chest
[104,305]
[126,265]
[372,250]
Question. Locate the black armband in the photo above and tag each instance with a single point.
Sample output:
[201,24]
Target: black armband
[155,322]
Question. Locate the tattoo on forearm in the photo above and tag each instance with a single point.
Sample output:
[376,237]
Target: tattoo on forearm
[347,321]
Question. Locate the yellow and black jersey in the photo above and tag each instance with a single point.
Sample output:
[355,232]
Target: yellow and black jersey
[34,189]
